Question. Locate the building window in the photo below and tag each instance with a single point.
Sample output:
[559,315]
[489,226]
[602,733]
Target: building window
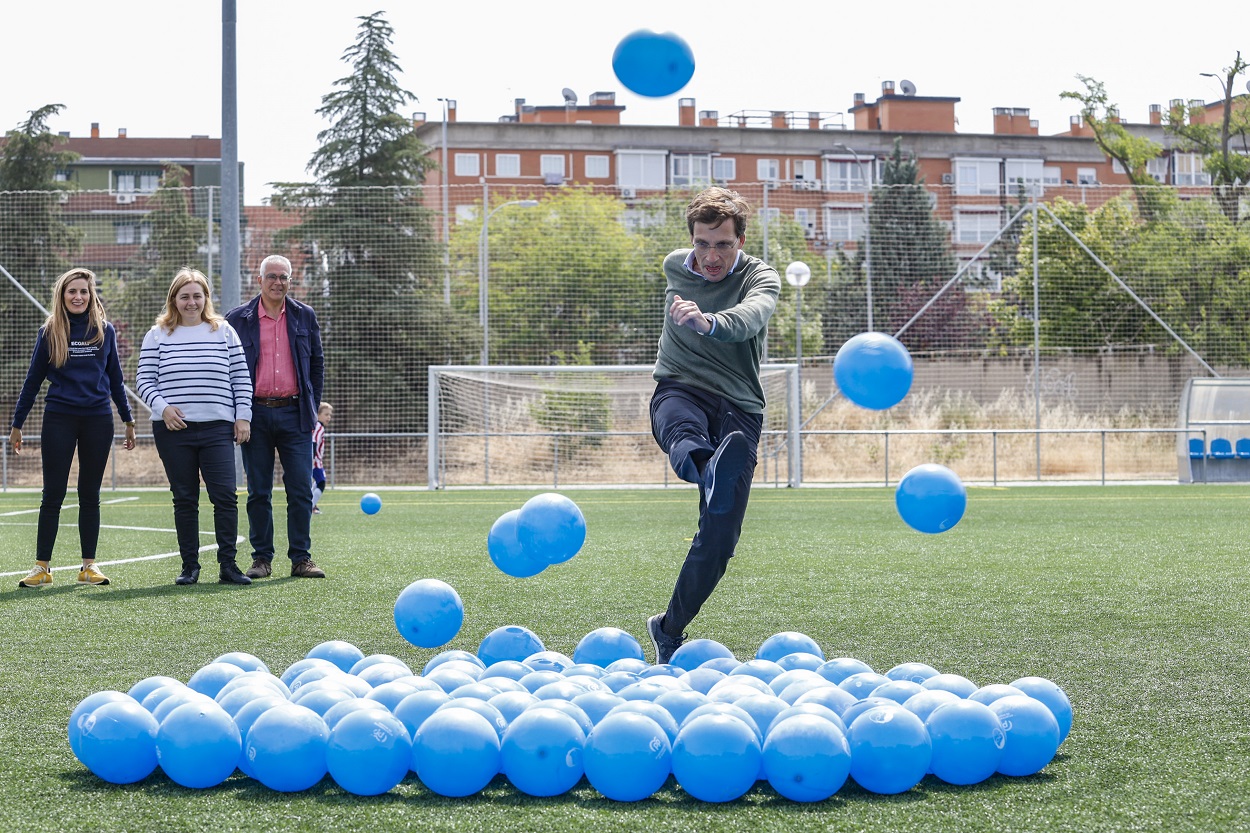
[598,167]
[1051,175]
[979,277]
[844,224]
[508,164]
[551,166]
[805,175]
[62,175]
[767,170]
[724,168]
[976,226]
[125,233]
[1189,170]
[1026,173]
[468,164]
[846,174]
[125,183]
[806,218]
[465,213]
[1086,176]
[976,176]
[148,180]
[690,170]
[641,169]
[1158,168]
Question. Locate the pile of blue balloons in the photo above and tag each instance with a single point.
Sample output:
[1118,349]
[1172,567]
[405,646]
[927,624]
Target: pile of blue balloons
[548,529]
[544,721]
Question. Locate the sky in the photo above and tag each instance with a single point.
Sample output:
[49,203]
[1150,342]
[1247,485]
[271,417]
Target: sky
[153,67]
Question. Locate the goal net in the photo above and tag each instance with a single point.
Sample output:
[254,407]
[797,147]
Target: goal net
[558,426]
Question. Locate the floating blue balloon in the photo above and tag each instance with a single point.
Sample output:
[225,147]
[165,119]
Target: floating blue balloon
[930,498]
[873,370]
[968,741]
[286,747]
[806,758]
[604,646]
[1049,692]
[198,745]
[890,749]
[343,654]
[428,613]
[368,752]
[542,752]
[510,642]
[653,64]
[716,757]
[1032,734]
[456,753]
[627,757]
[370,503]
[551,528]
[505,550]
[118,741]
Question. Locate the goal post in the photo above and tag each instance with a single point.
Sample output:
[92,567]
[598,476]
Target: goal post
[588,425]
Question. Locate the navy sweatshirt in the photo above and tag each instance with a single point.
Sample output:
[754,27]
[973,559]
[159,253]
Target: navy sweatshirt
[90,377]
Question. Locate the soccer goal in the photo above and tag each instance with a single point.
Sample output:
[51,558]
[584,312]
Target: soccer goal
[537,426]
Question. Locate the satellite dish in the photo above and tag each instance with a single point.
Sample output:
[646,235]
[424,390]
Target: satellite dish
[570,97]
[907,87]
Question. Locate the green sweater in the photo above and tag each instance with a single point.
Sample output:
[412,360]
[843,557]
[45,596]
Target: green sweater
[727,362]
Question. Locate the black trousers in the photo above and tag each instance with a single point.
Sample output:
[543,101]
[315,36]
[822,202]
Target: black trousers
[60,435]
[202,448]
[689,424]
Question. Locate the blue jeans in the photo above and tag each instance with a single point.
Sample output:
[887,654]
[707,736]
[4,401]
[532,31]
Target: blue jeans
[202,448]
[276,430]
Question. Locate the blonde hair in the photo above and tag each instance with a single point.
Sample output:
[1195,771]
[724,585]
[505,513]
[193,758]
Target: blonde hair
[56,326]
[170,318]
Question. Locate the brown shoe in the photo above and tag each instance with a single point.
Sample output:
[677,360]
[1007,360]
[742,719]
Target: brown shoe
[261,568]
[305,568]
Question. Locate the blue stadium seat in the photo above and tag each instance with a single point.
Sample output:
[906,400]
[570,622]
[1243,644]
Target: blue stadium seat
[1221,449]
[1197,448]
[1243,448]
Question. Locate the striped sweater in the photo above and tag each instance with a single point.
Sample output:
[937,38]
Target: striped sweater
[199,369]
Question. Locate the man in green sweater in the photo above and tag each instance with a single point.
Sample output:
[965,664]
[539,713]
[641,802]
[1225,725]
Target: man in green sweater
[708,407]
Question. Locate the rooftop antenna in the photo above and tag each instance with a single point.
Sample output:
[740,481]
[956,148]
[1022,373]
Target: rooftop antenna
[907,87]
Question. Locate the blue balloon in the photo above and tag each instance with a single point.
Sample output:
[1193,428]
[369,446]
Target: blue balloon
[786,678]
[179,698]
[249,679]
[604,646]
[810,709]
[716,757]
[246,661]
[548,661]
[477,691]
[703,679]
[448,679]
[341,710]
[391,694]
[653,64]
[1032,734]
[987,694]
[428,613]
[788,642]
[542,752]
[118,741]
[806,758]
[890,749]
[551,528]
[511,703]
[954,683]
[287,748]
[930,498]
[322,700]
[1049,692]
[831,697]
[863,684]
[585,669]
[968,741]
[198,745]
[636,666]
[900,691]
[617,680]
[92,702]
[762,709]
[383,673]
[368,752]
[727,709]
[653,710]
[508,669]
[239,696]
[694,653]
[246,716]
[456,753]
[414,709]
[376,659]
[210,679]
[873,370]
[506,552]
[923,704]
[455,655]
[343,654]
[147,685]
[725,664]
[800,660]
[491,714]
[837,670]
[295,669]
[762,669]
[627,757]
[850,713]
[680,703]
[510,642]
[917,672]
[370,503]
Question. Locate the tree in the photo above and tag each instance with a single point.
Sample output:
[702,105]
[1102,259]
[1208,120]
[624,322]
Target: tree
[36,244]
[1225,147]
[377,267]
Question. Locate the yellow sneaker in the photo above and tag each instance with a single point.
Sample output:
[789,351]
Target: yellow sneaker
[40,576]
[91,574]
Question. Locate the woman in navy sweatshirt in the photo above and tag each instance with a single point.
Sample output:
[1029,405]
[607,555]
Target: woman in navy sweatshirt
[76,351]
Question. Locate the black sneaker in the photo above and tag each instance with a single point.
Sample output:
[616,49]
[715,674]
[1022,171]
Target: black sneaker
[665,645]
[230,574]
[189,575]
[724,469]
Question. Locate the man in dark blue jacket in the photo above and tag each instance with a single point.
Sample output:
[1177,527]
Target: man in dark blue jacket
[282,342]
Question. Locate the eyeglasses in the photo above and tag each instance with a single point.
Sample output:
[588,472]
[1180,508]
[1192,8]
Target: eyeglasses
[722,248]
[279,278]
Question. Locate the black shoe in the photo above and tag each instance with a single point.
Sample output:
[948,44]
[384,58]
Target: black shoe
[665,645]
[230,574]
[189,575]
[723,471]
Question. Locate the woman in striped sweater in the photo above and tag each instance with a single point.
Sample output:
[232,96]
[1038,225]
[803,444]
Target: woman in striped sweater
[193,376]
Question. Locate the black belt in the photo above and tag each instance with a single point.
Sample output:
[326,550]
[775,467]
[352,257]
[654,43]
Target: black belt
[279,402]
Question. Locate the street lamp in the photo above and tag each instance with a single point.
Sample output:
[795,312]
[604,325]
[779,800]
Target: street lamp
[864,174]
[483,285]
[797,275]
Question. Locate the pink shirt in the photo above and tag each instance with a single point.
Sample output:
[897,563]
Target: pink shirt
[275,367]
